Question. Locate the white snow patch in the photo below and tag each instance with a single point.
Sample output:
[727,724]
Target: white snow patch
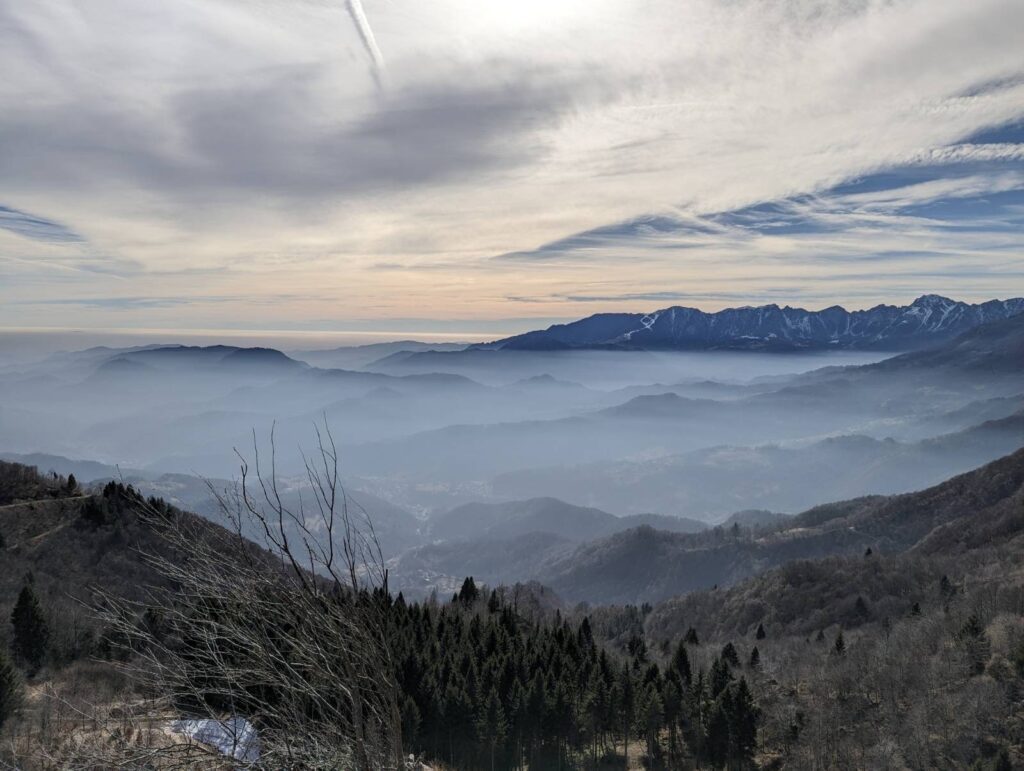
[235,737]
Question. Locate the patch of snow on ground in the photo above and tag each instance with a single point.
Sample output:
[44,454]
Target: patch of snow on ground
[235,737]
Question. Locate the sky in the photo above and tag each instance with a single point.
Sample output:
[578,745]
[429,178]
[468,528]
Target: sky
[480,167]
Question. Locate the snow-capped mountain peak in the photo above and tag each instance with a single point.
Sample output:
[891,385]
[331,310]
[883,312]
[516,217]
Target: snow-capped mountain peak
[927,320]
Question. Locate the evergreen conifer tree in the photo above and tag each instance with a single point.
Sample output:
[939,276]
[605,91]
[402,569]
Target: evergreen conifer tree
[410,722]
[730,656]
[680,665]
[743,719]
[975,644]
[761,634]
[637,648]
[672,701]
[719,677]
[716,743]
[31,637]
[586,634]
[839,649]
[491,725]
[650,718]
[10,688]
[626,705]
[596,708]
[469,594]
[861,608]
[946,588]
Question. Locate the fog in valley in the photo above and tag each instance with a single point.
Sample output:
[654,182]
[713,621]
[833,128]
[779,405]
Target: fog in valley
[390,385]
[561,449]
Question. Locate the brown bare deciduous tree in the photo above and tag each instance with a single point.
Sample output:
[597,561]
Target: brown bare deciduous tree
[290,636]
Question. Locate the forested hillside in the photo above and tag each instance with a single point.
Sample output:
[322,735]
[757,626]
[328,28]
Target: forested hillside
[911,659]
[493,678]
[646,565]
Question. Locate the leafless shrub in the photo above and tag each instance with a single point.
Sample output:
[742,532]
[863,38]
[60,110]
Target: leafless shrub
[289,636]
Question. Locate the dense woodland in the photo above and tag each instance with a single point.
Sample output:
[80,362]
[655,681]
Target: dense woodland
[485,687]
[904,667]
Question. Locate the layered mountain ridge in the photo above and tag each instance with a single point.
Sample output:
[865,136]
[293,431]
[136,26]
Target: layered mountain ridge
[926,321]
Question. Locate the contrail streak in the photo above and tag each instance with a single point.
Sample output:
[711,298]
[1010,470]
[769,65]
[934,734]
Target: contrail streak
[355,10]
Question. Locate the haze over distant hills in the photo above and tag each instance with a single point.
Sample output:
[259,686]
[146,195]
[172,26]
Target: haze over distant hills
[458,385]
[928,320]
[566,481]
[434,438]
[545,515]
[645,564]
[359,356]
[716,481]
[727,489]
[970,523]
[895,399]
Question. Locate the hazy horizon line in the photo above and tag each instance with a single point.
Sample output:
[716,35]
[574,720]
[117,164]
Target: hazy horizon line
[501,326]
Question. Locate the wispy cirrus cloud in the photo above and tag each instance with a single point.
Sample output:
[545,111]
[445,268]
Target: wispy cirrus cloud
[122,303]
[36,227]
[657,145]
[952,225]
[659,298]
[969,152]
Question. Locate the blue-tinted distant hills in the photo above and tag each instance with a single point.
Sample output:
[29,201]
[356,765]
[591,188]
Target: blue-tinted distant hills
[928,320]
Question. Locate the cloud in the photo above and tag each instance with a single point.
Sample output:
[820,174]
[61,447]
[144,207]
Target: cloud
[256,139]
[249,140]
[124,303]
[950,227]
[161,302]
[943,189]
[787,293]
[33,226]
[355,10]
[635,231]
[995,151]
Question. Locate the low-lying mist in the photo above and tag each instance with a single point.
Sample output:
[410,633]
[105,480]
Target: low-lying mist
[424,429]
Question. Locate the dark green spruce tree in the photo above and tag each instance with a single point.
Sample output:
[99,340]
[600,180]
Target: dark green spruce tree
[10,688]
[743,719]
[650,719]
[975,644]
[469,593]
[31,632]
[839,649]
[680,666]
[755,658]
[491,725]
[730,656]
[626,705]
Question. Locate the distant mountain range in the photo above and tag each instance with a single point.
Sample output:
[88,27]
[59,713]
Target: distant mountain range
[206,357]
[546,515]
[928,320]
[883,399]
[359,356]
[971,523]
[712,482]
[583,558]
